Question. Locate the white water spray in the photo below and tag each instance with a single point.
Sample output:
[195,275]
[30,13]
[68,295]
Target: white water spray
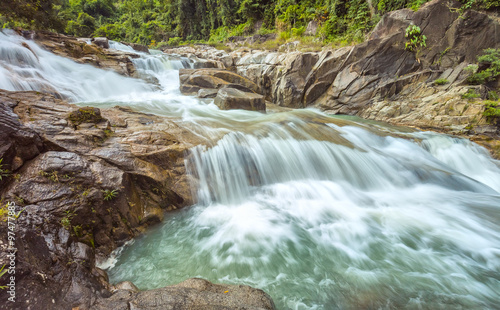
[320,212]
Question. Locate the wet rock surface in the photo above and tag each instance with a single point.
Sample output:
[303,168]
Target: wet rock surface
[96,53]
[232,98]
[191,294]
[87,180]
[381,80]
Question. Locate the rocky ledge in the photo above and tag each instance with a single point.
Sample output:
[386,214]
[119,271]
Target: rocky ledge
[83,50]
[381,80]
[85,181]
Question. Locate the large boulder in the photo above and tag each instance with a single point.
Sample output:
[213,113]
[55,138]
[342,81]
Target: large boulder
[192,80]
[232,98]
[101,42]
[191,294]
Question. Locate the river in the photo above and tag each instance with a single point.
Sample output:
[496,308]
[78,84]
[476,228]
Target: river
[319,211]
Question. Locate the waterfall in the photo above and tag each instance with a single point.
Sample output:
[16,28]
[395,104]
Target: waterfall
[320,211]
[339,215]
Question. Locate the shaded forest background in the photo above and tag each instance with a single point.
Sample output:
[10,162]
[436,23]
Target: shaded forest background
[157,22]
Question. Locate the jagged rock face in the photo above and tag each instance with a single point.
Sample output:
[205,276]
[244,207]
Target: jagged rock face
[87,184]
[190,294]
[379,79]
[347,80]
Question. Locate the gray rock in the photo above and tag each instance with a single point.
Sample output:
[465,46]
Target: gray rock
[232,98]
[191,294]
[207,93]
[312,28]
[101,41]
[192,80]
[126,285]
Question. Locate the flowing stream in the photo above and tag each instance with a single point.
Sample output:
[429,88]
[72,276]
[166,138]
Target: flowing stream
[321,212]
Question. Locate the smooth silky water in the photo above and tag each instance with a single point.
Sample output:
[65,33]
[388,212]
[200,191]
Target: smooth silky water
[321,212]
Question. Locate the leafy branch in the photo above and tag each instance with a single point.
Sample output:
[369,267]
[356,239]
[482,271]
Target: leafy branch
[414,39]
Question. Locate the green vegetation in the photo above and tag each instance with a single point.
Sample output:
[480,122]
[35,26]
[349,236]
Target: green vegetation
[174,22]
[490,67]
[441,82]
[492,95]
[66,221]
[3,172]
[415,40]
[470,94]
[110,194]
[492,110]
[2,272]
[85,115]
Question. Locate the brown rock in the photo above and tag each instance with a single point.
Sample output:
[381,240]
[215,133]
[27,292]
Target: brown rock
[190,294]
[192,80]
[231,98]
[207,93]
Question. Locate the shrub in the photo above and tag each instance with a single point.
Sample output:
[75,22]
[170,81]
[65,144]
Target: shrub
[441,82]
[414,38]
[297,32]
[492,95]
[492,110]
[175,41]
[470,94]
[110,31]
[84,25]
[491,61]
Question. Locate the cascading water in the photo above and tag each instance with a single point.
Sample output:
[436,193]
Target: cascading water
[320,212]
[26,66]
[370,222]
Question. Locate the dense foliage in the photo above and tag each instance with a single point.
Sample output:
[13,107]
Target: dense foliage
[490,63]
[151,21]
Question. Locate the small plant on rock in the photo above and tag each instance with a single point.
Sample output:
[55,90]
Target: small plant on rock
[2,272]
[66,221]
[441,82]
[492,95]
[414,39]
[3,172]
[110,194]
[470,94]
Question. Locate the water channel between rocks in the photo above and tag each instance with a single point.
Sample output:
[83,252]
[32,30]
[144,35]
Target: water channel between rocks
[319,211]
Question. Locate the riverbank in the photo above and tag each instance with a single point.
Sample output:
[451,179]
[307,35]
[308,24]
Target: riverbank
[86,180]
[381,80]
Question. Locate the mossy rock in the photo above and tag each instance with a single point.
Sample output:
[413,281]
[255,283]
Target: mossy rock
[85,115]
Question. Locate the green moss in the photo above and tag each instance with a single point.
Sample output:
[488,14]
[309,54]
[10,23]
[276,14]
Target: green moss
[441,82]
[3,172]
[85,115]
